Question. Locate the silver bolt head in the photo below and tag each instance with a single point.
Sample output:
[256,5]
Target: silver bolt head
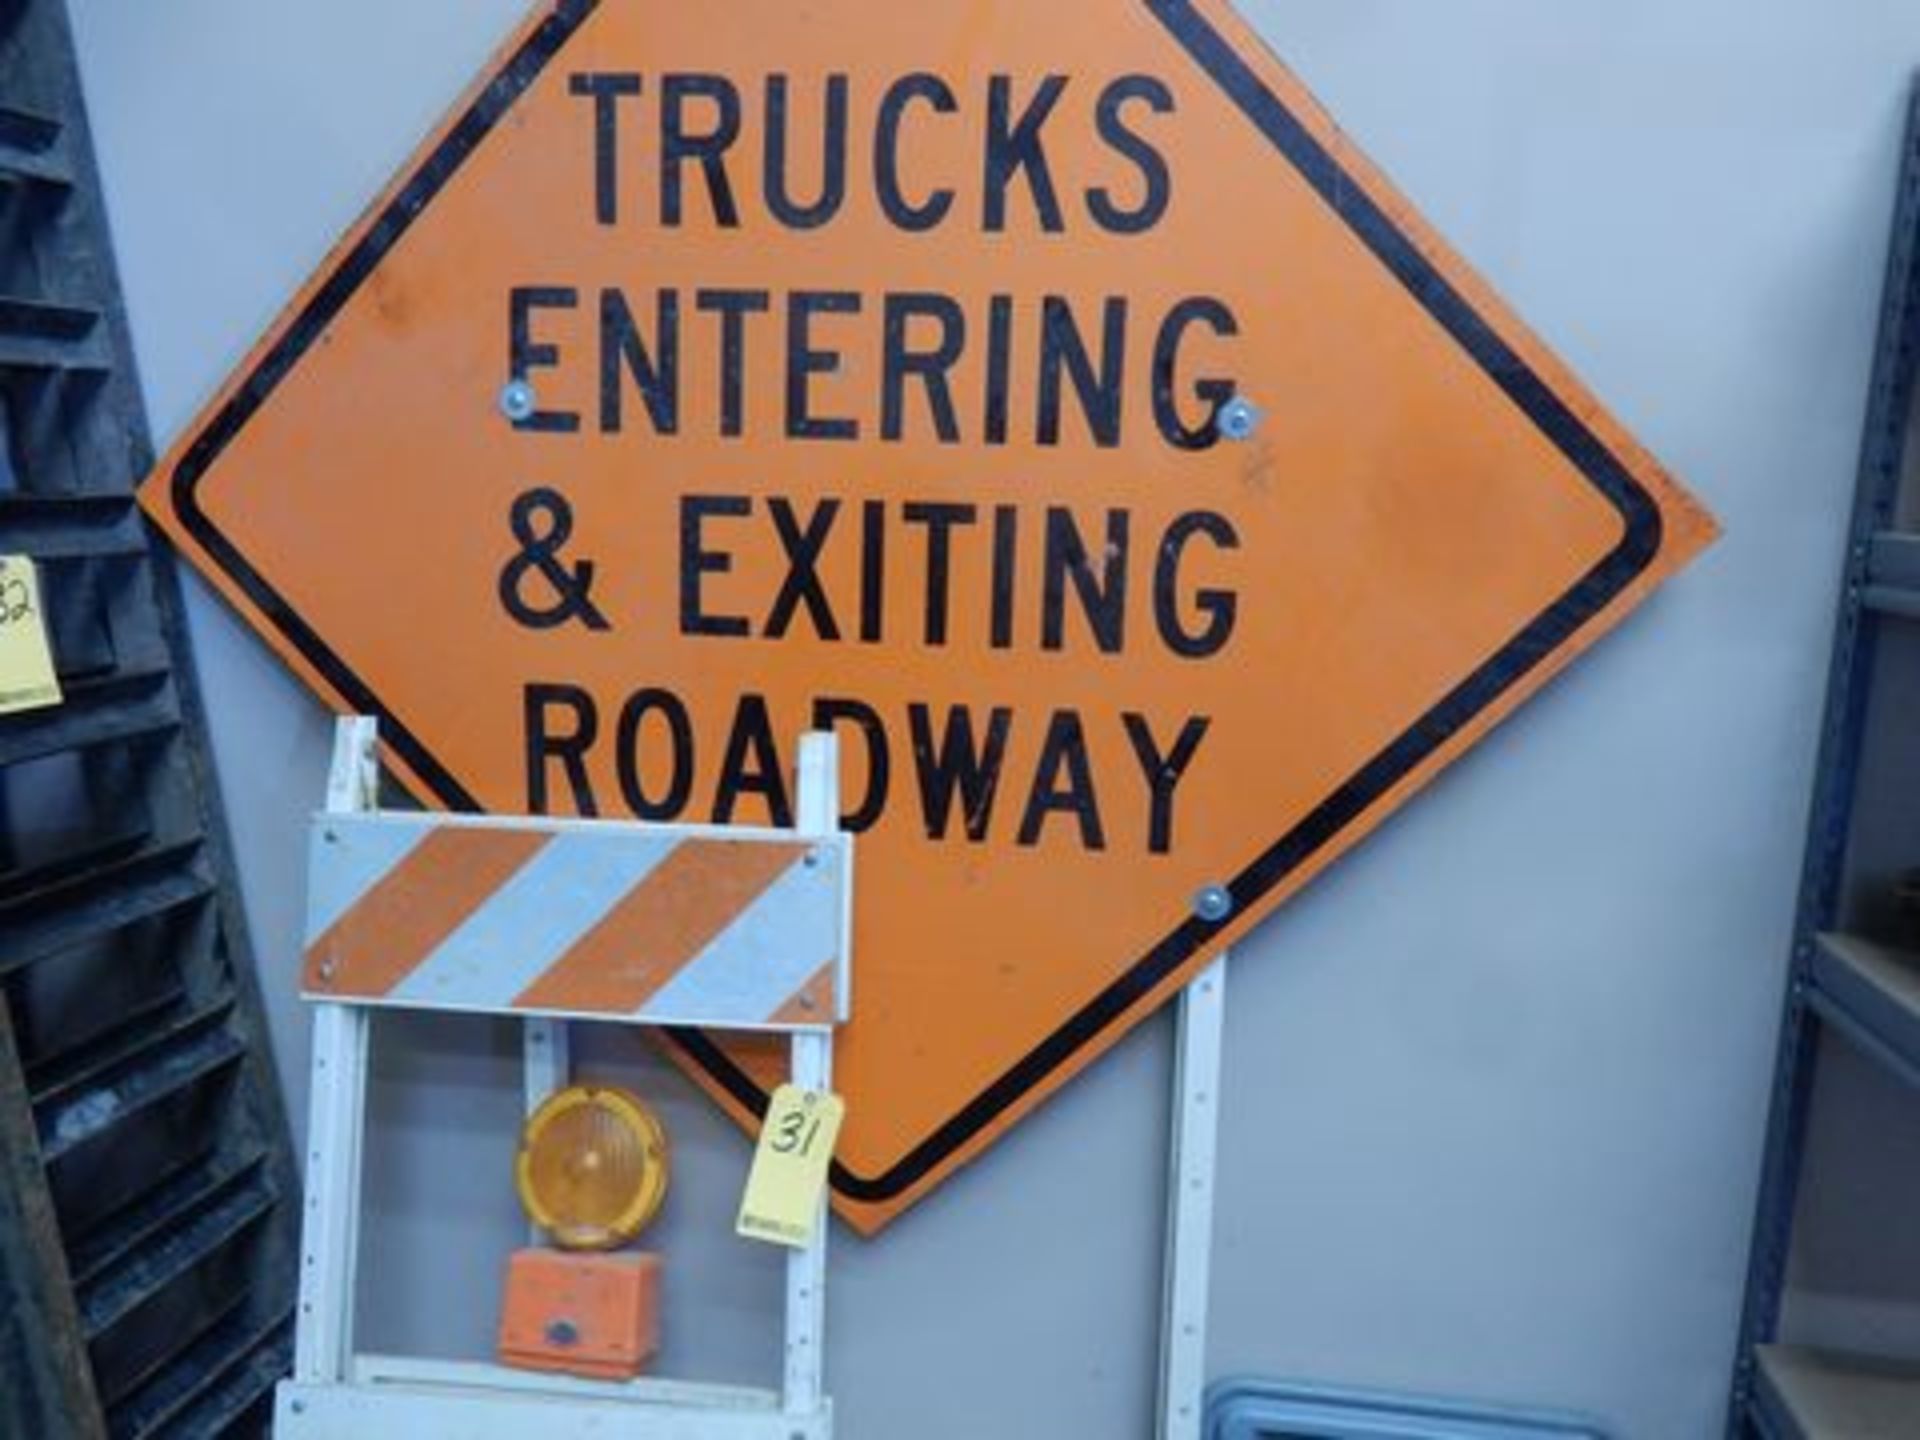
[516,400]
[1213,904]
[1237,419]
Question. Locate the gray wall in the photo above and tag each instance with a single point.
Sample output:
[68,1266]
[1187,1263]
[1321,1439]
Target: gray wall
[1496,1086]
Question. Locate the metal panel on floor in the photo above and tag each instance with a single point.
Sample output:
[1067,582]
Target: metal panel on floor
[1269,1410]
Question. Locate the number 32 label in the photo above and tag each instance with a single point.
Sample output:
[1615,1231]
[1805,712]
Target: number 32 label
[788,1182]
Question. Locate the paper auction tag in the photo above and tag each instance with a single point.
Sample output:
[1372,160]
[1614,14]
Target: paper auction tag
[27,681]
[788,1182]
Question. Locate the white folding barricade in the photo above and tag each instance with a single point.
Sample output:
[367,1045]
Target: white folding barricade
[536,917]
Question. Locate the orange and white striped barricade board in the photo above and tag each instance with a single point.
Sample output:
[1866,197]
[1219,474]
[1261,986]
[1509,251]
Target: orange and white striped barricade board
[554,920]
[671,925]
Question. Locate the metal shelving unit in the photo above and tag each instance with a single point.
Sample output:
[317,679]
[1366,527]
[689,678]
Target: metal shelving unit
[1855,973]
[148,1199]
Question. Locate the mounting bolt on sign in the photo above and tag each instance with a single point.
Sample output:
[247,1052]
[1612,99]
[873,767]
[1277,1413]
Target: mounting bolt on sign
[517,400]
[1213,904]
[906,387]
[1238,419]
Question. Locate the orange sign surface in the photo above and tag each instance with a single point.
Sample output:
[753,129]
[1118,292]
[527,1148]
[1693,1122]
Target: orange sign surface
[1046,397]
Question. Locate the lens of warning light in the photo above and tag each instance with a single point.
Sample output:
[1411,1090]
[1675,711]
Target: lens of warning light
[592,1167]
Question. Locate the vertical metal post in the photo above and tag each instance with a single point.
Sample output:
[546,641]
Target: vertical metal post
[546,1050]
[1190,1172]
[817,813]
[330,1225]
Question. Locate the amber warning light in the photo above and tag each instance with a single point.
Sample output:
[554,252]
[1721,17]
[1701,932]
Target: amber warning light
[592,1173]
[592,1168]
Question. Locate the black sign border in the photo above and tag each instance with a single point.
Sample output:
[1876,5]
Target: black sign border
[1638,547]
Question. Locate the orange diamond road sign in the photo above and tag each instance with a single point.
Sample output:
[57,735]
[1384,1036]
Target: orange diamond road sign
[1048,398]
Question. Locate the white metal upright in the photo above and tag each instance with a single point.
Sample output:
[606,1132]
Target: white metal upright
[816,813]
[329,1235]
[1190,1173]
[547,1065]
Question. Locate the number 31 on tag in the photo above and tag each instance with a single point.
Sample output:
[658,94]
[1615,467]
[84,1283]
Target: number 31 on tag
[789,1175]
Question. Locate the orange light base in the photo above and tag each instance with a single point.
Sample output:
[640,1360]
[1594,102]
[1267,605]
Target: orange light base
[594,1315]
